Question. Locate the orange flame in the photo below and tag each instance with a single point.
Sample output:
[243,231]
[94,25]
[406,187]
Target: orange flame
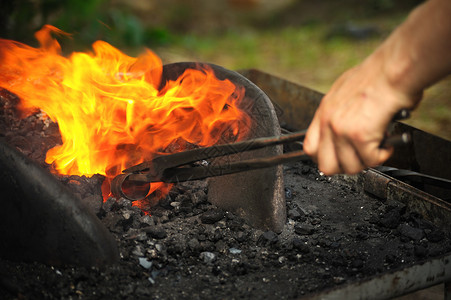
[108,106]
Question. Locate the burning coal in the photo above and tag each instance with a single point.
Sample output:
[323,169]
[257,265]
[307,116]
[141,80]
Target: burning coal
[112,110]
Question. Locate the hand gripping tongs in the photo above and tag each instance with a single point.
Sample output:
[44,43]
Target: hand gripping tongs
[178,167]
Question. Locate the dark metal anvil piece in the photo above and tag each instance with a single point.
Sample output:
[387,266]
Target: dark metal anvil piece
[41,220]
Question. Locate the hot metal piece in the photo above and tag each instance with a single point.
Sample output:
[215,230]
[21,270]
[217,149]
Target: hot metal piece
[119,188]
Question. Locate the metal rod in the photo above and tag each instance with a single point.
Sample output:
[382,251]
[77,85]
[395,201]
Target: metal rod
[173,175]
[416,176]
[190,156]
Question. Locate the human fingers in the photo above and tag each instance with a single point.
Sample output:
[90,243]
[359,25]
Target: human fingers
[347,155]
[373,154]
[312,137]
[327,159]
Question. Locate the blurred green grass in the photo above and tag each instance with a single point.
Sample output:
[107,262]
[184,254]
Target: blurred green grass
[298,54]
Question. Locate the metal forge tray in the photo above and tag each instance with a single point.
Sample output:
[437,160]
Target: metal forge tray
[428,154]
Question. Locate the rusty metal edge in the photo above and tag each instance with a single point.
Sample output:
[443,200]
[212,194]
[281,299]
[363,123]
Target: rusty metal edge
[393,284]
[386,187]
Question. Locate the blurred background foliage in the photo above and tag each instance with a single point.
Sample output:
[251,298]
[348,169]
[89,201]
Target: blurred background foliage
[304,41]
[88,21]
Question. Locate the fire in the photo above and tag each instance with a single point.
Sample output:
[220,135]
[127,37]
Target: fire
[109,108]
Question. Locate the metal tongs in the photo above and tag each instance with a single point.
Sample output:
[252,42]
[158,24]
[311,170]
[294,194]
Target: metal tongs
[178,167]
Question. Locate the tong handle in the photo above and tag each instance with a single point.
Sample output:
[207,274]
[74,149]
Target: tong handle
[186,157]
[403,114]
[397,139]
[173,175]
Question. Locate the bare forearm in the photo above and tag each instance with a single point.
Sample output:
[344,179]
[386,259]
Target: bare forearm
[350,123]
[418,52]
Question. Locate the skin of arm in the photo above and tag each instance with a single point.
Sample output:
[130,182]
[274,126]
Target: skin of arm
[350,123]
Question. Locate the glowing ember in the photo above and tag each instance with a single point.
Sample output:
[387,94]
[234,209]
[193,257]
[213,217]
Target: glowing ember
[109,108]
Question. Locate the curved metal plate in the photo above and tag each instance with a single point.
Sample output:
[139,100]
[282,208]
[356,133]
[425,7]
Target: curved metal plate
[258,195]
[41,220]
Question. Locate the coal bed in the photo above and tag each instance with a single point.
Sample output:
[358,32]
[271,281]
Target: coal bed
[188,248]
